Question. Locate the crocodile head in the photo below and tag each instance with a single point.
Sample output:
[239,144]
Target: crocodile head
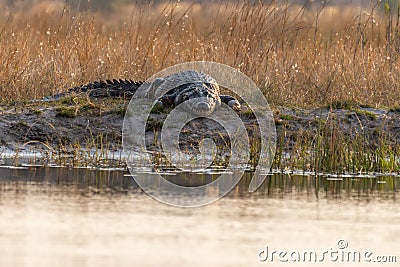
[199,98]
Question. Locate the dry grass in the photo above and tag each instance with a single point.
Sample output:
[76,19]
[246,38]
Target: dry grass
[311,57]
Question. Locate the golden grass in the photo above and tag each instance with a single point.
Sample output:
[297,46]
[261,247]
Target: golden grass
[298,56]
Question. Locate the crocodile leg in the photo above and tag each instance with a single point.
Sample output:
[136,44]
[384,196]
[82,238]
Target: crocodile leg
[231,102]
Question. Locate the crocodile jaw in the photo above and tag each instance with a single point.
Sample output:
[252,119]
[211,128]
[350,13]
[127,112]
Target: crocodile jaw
[200,106]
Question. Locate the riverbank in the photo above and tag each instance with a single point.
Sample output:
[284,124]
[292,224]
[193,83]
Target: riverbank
[342,138]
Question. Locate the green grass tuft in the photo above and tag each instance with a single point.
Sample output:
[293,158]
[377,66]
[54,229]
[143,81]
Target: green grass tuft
[66,112]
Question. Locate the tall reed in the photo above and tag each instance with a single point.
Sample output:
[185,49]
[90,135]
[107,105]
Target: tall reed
[299,55]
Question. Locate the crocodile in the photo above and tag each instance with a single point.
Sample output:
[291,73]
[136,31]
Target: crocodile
[197,91]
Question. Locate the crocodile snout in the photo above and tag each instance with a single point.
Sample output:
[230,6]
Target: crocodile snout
[203,108]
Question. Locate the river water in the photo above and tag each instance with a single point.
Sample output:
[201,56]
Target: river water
[81,217]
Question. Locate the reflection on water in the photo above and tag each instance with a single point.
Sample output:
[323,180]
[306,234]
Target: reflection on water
[80,217]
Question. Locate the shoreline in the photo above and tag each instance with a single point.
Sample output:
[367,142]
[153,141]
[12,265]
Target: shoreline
[308,139]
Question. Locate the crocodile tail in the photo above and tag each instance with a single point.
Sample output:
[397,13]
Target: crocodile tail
[108,88]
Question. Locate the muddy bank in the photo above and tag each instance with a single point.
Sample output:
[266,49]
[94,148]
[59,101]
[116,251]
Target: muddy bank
[69,125]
